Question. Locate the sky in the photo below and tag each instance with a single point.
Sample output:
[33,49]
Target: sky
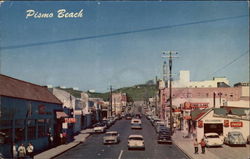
[121,43]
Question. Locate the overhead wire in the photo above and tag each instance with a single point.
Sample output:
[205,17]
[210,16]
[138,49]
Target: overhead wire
[118,33]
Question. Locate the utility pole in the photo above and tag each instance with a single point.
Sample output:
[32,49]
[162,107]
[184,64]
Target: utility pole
[170,56]
[111,100]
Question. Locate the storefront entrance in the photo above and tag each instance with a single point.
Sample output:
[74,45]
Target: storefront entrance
[215,128]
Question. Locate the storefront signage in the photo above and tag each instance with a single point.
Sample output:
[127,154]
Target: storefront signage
[187,117]
[70,120]
[41,109]
[213,121]
[200,123]
[226,123]
[236,124]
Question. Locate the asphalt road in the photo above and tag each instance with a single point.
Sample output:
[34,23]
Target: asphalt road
[94,149]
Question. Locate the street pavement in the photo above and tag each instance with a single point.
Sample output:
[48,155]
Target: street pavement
[93,148]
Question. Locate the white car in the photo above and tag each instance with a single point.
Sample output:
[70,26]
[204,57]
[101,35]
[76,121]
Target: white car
[111,137]
[235,138]
[136,142]
[213,139]
[100,128]
[136,123]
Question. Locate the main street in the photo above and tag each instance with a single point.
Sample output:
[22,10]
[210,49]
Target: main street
[93,148]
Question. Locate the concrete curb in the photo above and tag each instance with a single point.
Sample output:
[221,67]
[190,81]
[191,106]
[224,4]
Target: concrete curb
[190,157]
[74,144]
[79,142]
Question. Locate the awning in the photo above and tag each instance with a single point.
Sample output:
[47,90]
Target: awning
[61,115]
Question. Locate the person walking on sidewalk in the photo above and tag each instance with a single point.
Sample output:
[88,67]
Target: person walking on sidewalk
[14,151]
[203,145]
[30,150]
[21,151]
[196,144]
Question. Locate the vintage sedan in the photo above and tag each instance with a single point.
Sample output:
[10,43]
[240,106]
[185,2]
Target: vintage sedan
[111,137]
[100,128]
[136,142]
[235,138]
[213,139]
[164,137]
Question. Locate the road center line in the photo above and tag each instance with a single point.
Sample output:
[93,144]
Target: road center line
[120,154]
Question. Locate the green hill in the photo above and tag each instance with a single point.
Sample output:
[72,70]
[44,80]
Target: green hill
[136,93]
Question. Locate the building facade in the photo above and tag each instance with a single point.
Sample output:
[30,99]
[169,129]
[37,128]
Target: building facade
[28,112]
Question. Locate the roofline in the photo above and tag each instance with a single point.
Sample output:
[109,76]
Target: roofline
[205,114]
[31,99]
[23,81]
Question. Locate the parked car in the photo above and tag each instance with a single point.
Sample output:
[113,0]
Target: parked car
[158,124]
[136,142]
[100,128]
[136,123]
[235,138]
[164,137]
[213,139]
[111,137]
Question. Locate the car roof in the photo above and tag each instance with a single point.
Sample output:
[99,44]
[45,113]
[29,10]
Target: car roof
[234,132]
[111,132]
[130,136]
[208,134]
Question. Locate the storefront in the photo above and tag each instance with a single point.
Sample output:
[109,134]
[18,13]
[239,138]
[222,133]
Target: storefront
[212,122]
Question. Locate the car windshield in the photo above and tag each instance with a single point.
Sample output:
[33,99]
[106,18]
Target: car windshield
[111,134]
[135,138]
[236,135]
[213,136]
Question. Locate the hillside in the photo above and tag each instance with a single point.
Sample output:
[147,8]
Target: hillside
[137,92]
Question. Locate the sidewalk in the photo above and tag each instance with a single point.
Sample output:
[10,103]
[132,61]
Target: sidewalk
[186,145]
[81,137]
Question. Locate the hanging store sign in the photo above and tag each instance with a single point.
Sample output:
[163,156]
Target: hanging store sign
[236,124]
[70,120]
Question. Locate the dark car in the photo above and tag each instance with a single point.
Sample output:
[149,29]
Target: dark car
[164,137]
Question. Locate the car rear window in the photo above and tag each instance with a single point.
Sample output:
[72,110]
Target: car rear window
[213,136]
[135,138]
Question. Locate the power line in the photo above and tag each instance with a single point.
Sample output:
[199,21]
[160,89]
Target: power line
[118,33]
[231,62]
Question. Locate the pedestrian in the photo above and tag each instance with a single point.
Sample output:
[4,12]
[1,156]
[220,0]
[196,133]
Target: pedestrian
[196,144]
[30,150]
[203,145]
[21,151]
[61,138]
[50,139]
[14,150]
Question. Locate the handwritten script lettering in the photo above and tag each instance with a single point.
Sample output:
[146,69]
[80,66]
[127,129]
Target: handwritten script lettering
[61,13]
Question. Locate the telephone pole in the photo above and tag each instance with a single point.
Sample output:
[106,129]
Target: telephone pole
[111,101]
[170,56]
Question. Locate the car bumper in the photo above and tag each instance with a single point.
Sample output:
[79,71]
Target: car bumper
[164,141]
[109,142]
[136,147]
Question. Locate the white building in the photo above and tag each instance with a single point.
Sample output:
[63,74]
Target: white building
[184,81]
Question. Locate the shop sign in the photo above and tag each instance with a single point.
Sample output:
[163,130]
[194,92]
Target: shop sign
[213,121]
[187,117]
[41,109]
[200,123]
[65,125]
[236,124]
[226,123]
[70,120]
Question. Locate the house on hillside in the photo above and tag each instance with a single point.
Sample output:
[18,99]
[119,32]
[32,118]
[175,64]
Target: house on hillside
[28,112]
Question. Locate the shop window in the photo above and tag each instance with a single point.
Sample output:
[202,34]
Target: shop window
[41,128]
[5,136]
[20,134]
[207,94]
[31,129]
